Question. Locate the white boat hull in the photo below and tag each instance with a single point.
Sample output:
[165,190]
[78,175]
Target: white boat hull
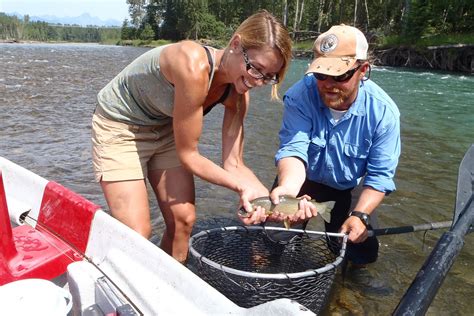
[147,279]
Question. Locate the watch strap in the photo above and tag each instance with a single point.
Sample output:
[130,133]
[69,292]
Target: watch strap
[364,217]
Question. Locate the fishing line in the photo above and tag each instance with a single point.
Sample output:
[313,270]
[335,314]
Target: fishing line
[424,240]
[83,255]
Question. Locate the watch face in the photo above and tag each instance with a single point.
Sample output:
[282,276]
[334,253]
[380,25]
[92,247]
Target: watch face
[365,218]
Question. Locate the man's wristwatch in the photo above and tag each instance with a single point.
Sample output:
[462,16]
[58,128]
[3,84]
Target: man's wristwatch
[364,217]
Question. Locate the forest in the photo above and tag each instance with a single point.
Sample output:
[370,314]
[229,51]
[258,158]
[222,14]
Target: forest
[387,21]
[384,21]
[15,29]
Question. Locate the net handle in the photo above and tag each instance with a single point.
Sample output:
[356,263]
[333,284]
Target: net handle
[307,273]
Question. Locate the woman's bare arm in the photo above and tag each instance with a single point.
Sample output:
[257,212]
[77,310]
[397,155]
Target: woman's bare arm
[236,109]
[186,67]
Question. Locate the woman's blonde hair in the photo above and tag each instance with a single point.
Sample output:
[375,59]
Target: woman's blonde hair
[262,29]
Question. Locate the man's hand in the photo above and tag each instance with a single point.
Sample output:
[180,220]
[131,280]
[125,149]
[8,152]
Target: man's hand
[355,228]
[305,210]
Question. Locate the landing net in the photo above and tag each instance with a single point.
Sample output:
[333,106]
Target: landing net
[253,265]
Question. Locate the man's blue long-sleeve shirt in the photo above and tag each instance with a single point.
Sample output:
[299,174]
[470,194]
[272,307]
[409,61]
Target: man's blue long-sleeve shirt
[364,142]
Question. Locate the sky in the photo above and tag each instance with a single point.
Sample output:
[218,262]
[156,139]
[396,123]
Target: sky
[103,9]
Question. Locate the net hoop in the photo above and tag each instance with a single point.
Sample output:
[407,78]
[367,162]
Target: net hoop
[295,275]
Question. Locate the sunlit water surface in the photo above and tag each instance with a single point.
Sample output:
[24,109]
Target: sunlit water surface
[47,97]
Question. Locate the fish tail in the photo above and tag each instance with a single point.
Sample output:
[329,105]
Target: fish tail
[326,216]
[327,211]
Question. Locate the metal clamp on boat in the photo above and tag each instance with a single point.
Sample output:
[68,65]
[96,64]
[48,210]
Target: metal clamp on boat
[110,301]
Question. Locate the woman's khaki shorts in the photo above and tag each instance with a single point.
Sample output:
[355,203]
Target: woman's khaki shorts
[127,152]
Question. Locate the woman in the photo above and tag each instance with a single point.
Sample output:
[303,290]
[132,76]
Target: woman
[150,116]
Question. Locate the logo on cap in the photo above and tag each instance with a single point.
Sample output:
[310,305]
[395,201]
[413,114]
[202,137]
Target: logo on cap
[328,43]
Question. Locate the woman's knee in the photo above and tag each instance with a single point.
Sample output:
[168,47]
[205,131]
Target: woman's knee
[186,222]
[181,223]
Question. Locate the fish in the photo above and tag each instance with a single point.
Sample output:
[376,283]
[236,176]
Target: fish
[288,205]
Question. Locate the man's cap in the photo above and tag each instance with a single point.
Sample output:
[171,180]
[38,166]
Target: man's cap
[337,50]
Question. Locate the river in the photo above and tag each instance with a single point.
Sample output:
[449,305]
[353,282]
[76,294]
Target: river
[47,97]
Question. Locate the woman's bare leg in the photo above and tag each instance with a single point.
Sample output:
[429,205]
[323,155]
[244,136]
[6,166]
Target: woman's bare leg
[128,202]
[174,189]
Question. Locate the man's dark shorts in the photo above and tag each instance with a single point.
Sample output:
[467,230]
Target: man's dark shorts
[360,253]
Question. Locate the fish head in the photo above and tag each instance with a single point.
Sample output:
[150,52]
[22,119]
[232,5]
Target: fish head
[242,212]
[264,202]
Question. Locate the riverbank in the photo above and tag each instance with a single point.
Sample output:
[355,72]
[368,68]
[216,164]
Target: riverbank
[455,58]
[10,41]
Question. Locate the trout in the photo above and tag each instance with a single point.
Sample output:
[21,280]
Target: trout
[288,206]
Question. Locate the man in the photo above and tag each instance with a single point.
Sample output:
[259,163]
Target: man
[339,129]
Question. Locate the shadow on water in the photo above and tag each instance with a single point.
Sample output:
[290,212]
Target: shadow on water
[47,96]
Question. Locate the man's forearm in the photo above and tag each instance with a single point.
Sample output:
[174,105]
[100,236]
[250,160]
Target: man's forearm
[369,199]
[291,174]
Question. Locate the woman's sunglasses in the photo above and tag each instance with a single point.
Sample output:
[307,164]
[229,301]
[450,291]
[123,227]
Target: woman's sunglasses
[341,78]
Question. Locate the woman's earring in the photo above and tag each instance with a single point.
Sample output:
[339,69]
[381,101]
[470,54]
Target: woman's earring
[231,51]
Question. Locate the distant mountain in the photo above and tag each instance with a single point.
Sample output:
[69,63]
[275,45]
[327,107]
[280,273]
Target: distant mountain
[84,19]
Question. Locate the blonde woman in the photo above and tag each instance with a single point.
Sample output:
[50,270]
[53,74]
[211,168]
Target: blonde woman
[149,120]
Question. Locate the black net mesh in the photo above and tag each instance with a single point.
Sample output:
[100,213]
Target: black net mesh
[269,252]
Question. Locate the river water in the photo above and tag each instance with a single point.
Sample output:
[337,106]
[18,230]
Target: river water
[47,97]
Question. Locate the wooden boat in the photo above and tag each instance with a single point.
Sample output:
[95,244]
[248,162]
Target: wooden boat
[62,255]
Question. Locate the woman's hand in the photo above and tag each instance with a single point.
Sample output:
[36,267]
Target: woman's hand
[257,214]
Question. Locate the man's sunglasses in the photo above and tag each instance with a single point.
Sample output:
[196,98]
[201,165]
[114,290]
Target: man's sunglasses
[341,78]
